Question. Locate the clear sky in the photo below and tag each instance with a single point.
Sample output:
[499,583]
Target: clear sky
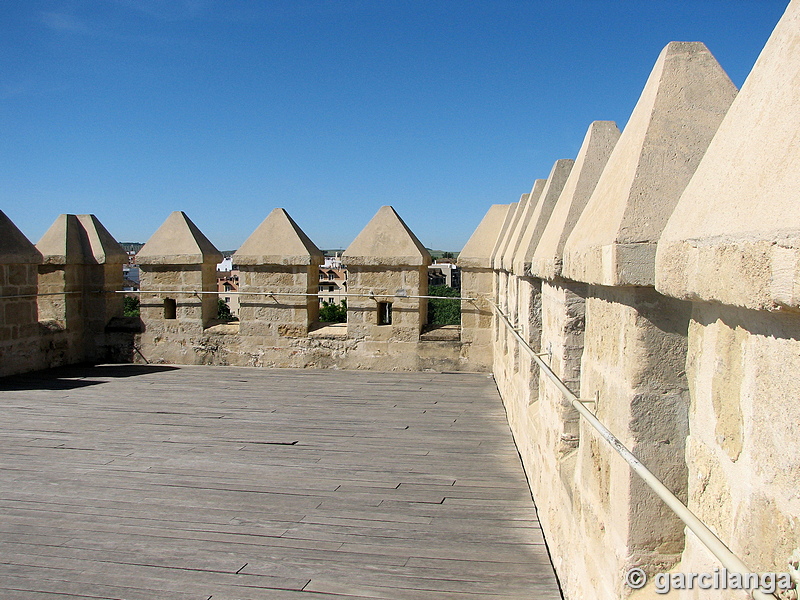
[226,109]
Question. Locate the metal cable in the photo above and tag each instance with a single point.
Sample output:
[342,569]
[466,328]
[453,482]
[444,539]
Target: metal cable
[728,559]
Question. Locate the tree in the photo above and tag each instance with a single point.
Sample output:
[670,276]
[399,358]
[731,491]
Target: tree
[224,311]
[331,312]
[443,312]
[130,306]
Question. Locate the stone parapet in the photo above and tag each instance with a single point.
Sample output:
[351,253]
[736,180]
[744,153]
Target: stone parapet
[732,248]
[520,262]
[547,257]
[690,388]
[683,103]
[477,316]
[278,257]
[279,305]
[388,271]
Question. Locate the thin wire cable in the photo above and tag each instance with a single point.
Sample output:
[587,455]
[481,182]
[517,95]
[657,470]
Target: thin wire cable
[707,537]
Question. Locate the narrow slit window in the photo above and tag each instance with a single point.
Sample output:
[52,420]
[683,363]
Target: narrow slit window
[384,313]
[170,308]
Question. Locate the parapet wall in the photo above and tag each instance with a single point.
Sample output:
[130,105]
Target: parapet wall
[61,301]
[656,274]
[662,287]
[57,300]
[279,307]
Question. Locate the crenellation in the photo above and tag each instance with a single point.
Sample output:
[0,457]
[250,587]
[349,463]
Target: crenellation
[657,275]
[279,306]
[81,271]
[681,107]
[477,281]
[178,278]
[510,226]
[519,297]
[278,257]
[388,268]
[730,248]
[528,204]
[65,304]
[520,262]
[547,258]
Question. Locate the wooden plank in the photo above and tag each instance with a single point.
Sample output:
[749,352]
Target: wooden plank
[127,481]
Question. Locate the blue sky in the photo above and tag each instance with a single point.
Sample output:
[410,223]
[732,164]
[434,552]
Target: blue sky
[226,109]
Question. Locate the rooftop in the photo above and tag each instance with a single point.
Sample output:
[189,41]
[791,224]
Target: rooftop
[143,482]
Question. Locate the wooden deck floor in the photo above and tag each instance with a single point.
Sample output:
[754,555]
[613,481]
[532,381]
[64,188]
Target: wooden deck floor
[160,483]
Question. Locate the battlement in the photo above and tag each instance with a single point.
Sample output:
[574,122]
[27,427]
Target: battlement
[657,277]
[656,273]
[72,280]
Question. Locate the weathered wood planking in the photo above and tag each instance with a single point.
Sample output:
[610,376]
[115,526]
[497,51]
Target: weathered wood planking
[220,482]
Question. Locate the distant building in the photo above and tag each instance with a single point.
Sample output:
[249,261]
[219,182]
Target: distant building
[444,272]
[334,262]
[130,272]
[228,282]
[226,264]
[131,247]
[332,283]
[130,278]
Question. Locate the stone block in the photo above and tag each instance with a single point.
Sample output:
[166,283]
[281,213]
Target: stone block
[477,252]
[592,157]
[521,259]
[734,236]
[21,276]
[679,111]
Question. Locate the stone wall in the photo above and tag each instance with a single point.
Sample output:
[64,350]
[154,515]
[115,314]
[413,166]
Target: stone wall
[731,249]
[279,309]
[56,298]
[656,273]
[60,301]
[19,328]
[662,287]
